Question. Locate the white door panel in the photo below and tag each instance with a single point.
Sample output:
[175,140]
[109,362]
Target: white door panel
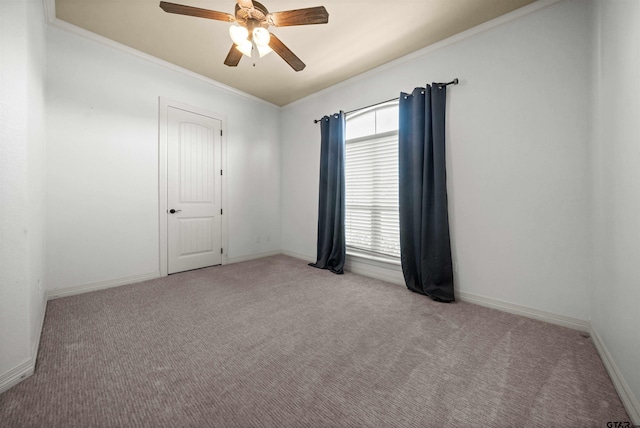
[194,191]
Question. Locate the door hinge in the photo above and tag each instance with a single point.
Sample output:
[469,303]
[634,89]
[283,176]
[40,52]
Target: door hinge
[221,132]
[221,252]
[220,172]
[220,211]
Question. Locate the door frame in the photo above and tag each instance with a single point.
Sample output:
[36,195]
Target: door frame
[163,185]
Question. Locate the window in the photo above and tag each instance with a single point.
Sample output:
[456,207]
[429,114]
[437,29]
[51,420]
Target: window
[371,182]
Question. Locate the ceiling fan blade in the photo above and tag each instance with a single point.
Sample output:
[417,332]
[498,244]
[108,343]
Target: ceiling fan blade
[311,15]
[285,53]
[246,3]
[233,57]
[181,9]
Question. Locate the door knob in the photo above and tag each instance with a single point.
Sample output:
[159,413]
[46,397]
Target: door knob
[172,211]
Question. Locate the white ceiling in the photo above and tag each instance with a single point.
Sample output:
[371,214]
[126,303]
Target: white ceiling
[360,35]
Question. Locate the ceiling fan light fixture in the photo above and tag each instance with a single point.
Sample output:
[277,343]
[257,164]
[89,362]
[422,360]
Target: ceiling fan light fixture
[261,36]
[239,34]
[245,47]
[263,50]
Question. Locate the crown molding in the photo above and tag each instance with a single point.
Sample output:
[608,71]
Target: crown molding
[50,14]
[52,20]
[486,26]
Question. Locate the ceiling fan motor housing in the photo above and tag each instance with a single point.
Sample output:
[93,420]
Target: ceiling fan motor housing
[253,17]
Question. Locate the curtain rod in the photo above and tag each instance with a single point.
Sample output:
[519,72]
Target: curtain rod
[453,82]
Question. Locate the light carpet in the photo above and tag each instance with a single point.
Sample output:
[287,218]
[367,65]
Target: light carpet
[276,343]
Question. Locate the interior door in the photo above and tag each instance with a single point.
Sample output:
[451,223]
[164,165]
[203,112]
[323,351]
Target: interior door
[194,191]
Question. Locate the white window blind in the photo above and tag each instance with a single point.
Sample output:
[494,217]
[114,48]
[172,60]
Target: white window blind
[371,186]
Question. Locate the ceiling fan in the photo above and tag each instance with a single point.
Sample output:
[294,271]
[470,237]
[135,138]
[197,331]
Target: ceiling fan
[250,36]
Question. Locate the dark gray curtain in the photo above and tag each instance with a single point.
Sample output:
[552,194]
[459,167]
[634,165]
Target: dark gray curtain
[331,239]
[424,221]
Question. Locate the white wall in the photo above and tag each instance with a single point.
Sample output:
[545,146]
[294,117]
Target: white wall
[518,156]
[616,188]
[36,167]
[102,162]
[21,186]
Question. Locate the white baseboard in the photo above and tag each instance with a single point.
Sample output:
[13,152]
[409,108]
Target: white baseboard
[17,374]
[246,258]
[101,285]
[360,266]
[26,368]
[394,275]
[629,400]
[375,269]
[561,320]
[307,258]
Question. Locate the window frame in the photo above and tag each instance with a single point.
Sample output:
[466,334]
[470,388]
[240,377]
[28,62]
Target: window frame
[358,253]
